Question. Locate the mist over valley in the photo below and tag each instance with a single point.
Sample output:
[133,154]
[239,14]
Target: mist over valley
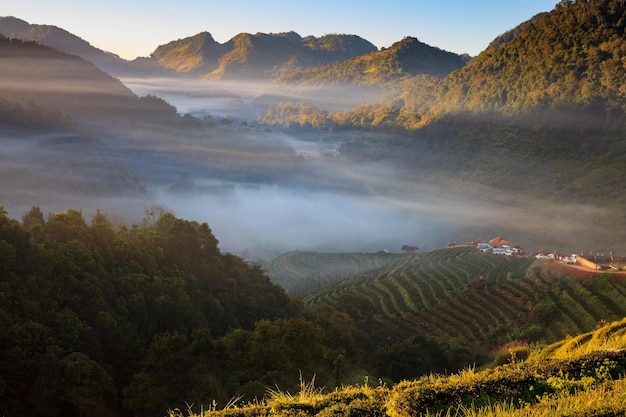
[216,224]
[202,148]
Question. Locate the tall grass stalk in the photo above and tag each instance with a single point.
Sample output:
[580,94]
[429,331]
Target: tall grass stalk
[308,393]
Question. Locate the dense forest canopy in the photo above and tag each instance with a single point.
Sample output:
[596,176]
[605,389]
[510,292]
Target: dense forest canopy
[571,58]
[97,316]
[83,303]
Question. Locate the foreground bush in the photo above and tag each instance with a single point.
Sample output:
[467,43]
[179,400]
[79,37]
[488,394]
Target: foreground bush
[536,387]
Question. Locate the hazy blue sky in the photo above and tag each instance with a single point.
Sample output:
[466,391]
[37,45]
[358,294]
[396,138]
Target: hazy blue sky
[132,28]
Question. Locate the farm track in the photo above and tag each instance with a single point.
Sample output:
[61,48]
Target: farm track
[572,321]
[615,307]
[622,290]
[588,301]
[510,301]
[494,305]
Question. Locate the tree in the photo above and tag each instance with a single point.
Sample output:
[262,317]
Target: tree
[34,217]
[84,383]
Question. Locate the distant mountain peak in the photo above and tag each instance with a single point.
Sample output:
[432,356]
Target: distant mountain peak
[249,55]
[193,54]
[291,35]
[13,23]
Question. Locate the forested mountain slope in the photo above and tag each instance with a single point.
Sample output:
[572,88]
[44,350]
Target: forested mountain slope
[88,310]
[542,114]
[404,58]
[58,82]
[567,60]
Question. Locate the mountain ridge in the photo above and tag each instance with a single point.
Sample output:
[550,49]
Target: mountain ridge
[62,40]
[260,56]
[253,55]
[407,57]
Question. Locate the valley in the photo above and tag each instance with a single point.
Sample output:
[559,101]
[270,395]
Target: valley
[218,223]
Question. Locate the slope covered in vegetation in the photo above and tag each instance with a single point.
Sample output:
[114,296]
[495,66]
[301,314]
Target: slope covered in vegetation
[404,58]
[583,379]
[542,114]
[89,312]
[481,299]
[98,316]
[301,272]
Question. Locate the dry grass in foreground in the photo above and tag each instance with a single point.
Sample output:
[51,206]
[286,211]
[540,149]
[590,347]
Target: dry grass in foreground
[580,376]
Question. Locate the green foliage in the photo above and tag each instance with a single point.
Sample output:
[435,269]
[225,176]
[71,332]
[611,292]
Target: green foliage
[300,272]
[405,58]
[543,107]
[149,317]
[430,294]
[88,312]
[417,356]
[515,384]
[541,386]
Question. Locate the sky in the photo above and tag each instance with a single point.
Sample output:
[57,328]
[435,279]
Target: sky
[134,28]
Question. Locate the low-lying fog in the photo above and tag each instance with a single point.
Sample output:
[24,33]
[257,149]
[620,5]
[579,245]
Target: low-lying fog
[331,206]
[247,100]
[265,193]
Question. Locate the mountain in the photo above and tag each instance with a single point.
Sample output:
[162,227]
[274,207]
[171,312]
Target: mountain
[57,81]
[55,107]
[567,61]
[346,84]
[197,54]
[509,35]
[542,113]
[254,56]
[568,58]
[64,41]
[404,58]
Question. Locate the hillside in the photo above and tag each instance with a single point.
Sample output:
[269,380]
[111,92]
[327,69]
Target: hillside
[540,113]
[481,299]
[59,82]
[197,54]
[576,377]
[404,58]
[301,272]
[88,309]
[97,317]
[567,60]
[56,112]
[63,41]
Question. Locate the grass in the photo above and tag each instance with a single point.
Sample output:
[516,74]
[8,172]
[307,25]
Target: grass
[579,376]
[607,399]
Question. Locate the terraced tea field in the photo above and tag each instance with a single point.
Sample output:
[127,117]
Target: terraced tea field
[479,298]
[300,272]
